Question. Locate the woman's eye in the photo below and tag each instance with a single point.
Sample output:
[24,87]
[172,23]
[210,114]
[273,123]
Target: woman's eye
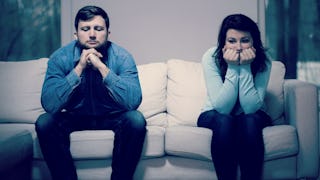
[232,41]
[245,40]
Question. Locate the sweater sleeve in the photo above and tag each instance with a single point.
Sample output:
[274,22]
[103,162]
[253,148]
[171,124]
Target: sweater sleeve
[252,90]
[222,96]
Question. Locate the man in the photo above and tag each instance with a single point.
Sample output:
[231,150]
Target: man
[91,84]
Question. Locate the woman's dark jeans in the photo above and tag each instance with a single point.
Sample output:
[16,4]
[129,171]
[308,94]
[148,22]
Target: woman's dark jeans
[53,134]
[236,140]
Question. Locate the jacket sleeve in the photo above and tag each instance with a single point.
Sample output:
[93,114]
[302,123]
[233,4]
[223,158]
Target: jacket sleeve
[59,83]
[124,86]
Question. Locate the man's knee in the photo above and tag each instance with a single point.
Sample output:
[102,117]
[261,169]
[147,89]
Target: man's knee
[43,122]
[135,119]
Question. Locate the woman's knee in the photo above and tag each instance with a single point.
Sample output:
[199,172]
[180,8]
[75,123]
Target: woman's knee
[216,121]
[251,122]
[250,130]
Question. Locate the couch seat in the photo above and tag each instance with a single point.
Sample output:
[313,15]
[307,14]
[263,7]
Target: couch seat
[98,144]
[194,142]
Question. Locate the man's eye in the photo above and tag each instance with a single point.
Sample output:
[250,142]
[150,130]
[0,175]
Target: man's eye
[85,28]
[99,28]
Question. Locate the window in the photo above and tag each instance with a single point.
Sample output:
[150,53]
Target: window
[293,36]
[29,29]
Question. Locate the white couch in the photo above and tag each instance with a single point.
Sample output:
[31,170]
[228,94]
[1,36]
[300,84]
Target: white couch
[173,94]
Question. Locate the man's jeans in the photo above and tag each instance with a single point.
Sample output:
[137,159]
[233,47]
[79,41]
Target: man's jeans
[53,133]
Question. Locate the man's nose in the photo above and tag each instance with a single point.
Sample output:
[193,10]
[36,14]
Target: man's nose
[92,34]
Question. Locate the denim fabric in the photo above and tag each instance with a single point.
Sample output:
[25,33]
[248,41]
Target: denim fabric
[90,94]
[54,130]
[236,140]
[90,102]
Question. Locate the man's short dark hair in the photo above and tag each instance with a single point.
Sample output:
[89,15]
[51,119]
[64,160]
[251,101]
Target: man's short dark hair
[88,12]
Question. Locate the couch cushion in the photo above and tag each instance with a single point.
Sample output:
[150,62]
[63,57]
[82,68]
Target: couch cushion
[186,141]
[280,141]
[21,84]
[186,92]
[98,144]
[16,145]
[153,81]
[195,142]
[274,96]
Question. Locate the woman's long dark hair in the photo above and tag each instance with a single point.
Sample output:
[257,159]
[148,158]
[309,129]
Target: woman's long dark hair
[242,23]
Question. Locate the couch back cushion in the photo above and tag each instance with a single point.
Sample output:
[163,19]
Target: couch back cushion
[187,92]
[21,84]
[274,96]
[153,81]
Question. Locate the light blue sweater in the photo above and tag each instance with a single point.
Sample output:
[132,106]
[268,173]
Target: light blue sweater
[240,92]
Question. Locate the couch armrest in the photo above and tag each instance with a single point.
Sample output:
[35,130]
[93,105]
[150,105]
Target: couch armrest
[301,111]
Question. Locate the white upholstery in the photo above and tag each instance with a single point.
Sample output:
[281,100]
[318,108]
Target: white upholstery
[21,89]
[154,92]
[275,96]
[186,92]
[173,93]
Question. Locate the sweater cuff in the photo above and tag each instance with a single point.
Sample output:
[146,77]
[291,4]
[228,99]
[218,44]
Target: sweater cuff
[246,68]
[232,70]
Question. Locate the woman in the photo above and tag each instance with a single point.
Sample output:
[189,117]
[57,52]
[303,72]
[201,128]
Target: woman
[236,74]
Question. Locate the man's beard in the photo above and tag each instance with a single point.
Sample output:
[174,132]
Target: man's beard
[102,48]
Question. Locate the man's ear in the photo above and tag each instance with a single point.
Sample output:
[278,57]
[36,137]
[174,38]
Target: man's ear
[75,36]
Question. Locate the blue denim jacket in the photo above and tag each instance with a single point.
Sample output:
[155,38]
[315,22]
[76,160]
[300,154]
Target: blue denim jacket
[89,94]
